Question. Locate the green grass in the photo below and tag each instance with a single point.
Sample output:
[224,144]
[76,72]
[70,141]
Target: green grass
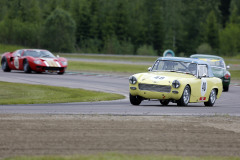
[106,67]
[235,74]
[232,61]
[228,60]
[9,48]
[120,68]
[114,156]
[131,58]
[17,93]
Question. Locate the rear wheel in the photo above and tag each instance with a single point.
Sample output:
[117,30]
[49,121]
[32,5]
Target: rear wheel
[212,98]
[5,66]
[26,67]
[183,101]
[164,102]
[135,100]
[225,88]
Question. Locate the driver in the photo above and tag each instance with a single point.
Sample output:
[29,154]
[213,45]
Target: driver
[192,68]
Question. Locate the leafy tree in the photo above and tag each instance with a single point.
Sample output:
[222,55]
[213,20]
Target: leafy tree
[211,30]
[80,12]
[230,40]
[172,23]
[146,50]
[21,23]
[111,25]
[204,49]
[224,7]
[121,21]
[137,24]
[235,4]
[157,30]
[234,17]
[59,32]
[3,9]
[229,36]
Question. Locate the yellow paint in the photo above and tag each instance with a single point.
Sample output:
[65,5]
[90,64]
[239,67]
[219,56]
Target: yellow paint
[166,78]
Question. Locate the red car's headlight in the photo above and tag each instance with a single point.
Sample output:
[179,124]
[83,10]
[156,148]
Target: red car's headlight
[64,63]
[37,62]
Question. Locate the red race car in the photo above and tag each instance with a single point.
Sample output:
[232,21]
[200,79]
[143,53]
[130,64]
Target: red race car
[29,60]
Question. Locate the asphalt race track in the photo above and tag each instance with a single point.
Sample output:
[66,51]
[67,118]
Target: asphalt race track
[228,104]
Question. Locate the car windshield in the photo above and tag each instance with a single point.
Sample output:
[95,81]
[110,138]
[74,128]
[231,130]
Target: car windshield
[38,54]
[216,63]
[175,66]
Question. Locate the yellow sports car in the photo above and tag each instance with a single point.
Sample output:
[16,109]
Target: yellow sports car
[177,80]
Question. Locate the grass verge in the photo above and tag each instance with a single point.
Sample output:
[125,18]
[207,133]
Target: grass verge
[106,67]
[235,74]
[114,156]
[131,58]
[120,68]
[17,93]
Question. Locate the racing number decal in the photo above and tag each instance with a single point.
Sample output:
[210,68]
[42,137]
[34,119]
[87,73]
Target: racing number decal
[156,79]
[203,86]
[16,62]
[159,78]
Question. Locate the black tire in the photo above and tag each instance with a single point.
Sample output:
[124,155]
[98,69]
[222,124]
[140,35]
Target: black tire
[135,100]
[212,98]
[5,66]
[164,102]
[225,88]
[26,67]
[183,101]
[61,72]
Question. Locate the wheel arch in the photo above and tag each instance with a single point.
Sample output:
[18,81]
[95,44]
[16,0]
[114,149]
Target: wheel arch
[24,60]
[3,58]
[216,89]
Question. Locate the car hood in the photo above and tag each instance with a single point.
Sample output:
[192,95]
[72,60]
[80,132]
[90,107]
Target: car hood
[163,78]
[218,72]
[51,62]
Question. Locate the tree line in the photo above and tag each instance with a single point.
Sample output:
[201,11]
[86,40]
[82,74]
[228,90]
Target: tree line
[140,27]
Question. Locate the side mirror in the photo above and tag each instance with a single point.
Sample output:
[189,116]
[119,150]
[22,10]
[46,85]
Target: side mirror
[203,76]
[57,56]
[228,67]
[149,68]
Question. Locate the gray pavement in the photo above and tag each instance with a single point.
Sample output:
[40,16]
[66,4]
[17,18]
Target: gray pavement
[228,104]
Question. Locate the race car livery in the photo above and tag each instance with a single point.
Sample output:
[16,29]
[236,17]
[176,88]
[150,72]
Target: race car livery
[177,80]
[29,60]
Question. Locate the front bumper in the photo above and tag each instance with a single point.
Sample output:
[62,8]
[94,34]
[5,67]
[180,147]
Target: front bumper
[49,69]
[153,92]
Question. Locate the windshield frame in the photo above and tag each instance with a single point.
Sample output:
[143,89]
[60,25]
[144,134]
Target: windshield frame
[38,53]
[209,60]
[178,70]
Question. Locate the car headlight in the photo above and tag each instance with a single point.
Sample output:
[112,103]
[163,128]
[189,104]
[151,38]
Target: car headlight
[176,84]
[64,63]
[132,80]
[37,62]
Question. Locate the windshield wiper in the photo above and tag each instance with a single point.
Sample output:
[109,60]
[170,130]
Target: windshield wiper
[45,56]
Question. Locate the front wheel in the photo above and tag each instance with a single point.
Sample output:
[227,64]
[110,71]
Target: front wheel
[226,88]
[164,102]
[26,67]
[135,100]
[212,98]
[183,101]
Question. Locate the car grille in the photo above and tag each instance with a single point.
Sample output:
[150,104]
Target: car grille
[154,87]
[53,68]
